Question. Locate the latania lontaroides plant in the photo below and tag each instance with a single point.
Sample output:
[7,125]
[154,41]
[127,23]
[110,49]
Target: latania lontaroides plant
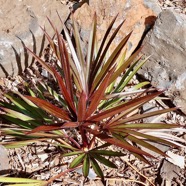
[93,96]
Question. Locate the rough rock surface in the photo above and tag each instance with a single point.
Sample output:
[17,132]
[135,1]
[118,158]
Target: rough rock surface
[167,66]
[19,25]
[4,160]
[139,15]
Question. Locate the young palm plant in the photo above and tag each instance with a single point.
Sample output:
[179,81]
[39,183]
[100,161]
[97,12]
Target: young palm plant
[93,97]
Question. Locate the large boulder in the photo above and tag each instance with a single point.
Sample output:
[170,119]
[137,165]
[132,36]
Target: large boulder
[139,15]
[19,26]
[166,69]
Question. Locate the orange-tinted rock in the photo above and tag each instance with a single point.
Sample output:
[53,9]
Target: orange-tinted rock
[136,14]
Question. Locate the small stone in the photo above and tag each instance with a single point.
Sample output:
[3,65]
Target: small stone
[176,159]
[4,160]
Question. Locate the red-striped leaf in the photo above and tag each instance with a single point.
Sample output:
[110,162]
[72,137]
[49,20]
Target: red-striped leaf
[139,156]
[82,106]
[52,44]
[119,143]
[48,107]
[144,126]
[146,145]
[100,59]
[64,92]
[91,47]
[56,126]
[145,136]
[125,64]
[124,106]
[40,61]
[108,64]
[104,40]
[142,116]
[98,95]
[65,64]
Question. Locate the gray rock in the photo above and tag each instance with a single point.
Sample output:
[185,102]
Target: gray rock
[167,173]
[153,5]
[20,23]
[166,69]
[4,161]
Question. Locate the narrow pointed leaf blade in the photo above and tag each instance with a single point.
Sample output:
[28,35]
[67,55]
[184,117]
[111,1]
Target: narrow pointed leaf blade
[119,143]
[99,94]
[19,180]
[78,42]
[65,62]
[125,65]
[16,114]
[21,123]
[51,42]
[86,166]
[103,160]
[139,156]
[18,144]
[124,106]
[57,126]
[91,44]
[110,62]
[107,153]
[41,61]
[148,137]
[77,161]
[48,107]
[75,59]
[145,115]
[146,145]
[145,126]
[131,74]
[82,106]
[72,153]
[104,39]
[97,168]
[64,92]
[101,58]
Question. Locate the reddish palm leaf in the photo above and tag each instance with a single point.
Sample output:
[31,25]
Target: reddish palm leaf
[65,64]
[40,61]
[141,116]
[124,106]
[119,143]
[99,59]
[64,92]
[98,95]
[110,62]
[82,106]
[56,126]
[48,107]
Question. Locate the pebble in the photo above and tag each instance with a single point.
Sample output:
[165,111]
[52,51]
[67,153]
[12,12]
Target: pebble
[4,160]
